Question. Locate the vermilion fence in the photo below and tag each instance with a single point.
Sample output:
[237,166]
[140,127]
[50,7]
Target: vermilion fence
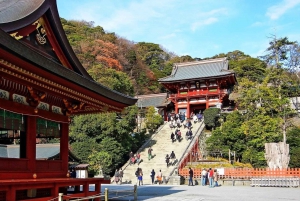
[246,173]
[192,155]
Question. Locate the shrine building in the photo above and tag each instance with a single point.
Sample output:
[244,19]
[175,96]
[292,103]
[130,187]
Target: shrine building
[198,85]
[43,84]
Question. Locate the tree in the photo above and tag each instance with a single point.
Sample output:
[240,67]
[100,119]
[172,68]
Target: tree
[229,136]
[293,139]
[97,160]
[251,68]
[153,120]
[277,51]
[112,79]
[211,117]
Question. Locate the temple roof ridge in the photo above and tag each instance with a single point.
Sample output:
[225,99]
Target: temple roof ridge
[223,59]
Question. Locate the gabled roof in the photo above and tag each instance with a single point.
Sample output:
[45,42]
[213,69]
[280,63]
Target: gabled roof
[155,100]
[17,14]
[211,68]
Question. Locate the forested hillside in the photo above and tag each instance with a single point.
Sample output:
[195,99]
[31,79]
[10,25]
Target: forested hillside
[123,65]
[265,86]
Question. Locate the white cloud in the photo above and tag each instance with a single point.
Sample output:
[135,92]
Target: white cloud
[276,11]
[168,36]
[204,22]
[209,17]
[257,24]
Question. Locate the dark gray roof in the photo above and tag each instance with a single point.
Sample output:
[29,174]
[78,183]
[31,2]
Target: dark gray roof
[155,100]
[13,10]
[43,151]
[198,69]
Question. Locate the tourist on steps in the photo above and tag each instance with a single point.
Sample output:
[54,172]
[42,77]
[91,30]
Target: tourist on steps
[120,176]
[150,153]
[191,174]
[140,177]
[152,175]
[159,177]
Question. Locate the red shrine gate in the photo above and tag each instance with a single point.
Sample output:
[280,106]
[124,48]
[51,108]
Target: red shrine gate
[196,86]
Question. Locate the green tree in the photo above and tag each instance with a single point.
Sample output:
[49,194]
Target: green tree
[211,116]
[112,79]
[99,159]
[277,51]
[293,139]
[251,68]
[153,120]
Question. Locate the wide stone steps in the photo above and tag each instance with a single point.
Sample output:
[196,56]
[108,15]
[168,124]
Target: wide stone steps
[161,145]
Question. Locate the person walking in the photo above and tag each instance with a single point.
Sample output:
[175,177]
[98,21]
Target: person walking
[210,177]
[140,177]
[120,175]
[159,177]
[137,174]
[150,153]
[191,173]
[117,176]
[216,178]
[203,177]
[152,175]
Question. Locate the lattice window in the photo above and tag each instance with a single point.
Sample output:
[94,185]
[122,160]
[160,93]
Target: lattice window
[46,129]
[11,121]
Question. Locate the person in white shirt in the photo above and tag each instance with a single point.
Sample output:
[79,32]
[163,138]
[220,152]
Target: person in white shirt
[203,177]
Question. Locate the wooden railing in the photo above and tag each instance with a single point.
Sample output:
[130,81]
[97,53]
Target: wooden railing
[246,173]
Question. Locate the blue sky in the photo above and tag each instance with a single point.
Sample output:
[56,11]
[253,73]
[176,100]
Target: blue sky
[199,28]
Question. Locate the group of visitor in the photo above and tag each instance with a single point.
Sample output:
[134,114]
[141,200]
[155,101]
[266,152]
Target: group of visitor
[139,176]
[158,177]
[210,176]
[134,158]
[176,136]
[170,159]
[118,176]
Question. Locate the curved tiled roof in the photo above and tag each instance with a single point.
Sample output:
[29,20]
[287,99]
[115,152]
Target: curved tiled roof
[18,48]
[198,69]
[13,10]
[33,10]
[155,100]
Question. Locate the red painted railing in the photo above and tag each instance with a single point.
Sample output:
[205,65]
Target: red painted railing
[191,156]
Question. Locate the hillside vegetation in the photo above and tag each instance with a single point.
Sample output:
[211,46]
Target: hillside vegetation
[265,85]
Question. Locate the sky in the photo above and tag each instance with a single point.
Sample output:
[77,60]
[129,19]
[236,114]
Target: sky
[199,28]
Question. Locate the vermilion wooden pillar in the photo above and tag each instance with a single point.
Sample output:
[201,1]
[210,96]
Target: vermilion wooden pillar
[64,145]
[31,142]
[188,113]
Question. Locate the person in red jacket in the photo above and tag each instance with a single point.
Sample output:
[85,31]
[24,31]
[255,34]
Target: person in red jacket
[211,177]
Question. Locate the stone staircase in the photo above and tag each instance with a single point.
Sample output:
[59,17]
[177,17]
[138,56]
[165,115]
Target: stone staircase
[161,145]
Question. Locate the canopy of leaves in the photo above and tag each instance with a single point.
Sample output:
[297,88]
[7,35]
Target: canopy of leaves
[211,117]
[153,120]
[105,133]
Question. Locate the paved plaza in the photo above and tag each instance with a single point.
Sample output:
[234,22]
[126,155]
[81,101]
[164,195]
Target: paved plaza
[204,193]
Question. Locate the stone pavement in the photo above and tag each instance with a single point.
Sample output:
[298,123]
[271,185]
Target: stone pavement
[204,193]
